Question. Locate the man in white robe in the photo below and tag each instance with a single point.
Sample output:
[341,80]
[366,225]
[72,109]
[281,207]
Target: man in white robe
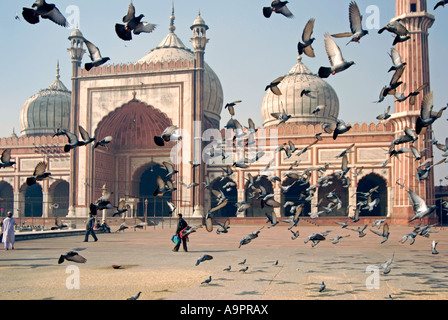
[8,231]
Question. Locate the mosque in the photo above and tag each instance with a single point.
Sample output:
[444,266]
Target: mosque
[173,85]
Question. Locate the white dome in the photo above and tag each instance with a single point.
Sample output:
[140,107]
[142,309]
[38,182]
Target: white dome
[301,107]
[172,49]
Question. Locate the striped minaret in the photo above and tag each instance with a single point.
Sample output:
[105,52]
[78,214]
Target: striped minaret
[414,16]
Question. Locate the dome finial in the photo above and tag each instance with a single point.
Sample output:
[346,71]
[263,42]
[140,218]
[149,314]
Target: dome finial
[57,71]
[172,28]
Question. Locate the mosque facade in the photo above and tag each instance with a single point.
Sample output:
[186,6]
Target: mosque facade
[173,86]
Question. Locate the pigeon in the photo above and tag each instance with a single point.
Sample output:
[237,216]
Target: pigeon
[378,223]
[247,239]
[355,17]
[242,262]
[396,60]
[273,86]
[227,269]
[318,109]
[424,169]
[230,107]
[384,234]
[384,116]
[421,210]
[338,64]
[6,159]
[433,247]
[163,187]
[427,116]
[39,174]
[103,142]
[395,27]
[122,227]
[133,24]
[279,7]
[343,224]
[272,218]
[295,234]
[135,297]
[315,238]
[73,140]
[167,135]
[41,9]
[73,257]
[203,258]
[322,287]
[336,240]
[305,47]
[339,128]
[386,265]
[207,281]
[223,227]
[86,139]
[408,136]
[170,168]
[95,56]
[244,269]
[415,93]
[360,231]
[441,3]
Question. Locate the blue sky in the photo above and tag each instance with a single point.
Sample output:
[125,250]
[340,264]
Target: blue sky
[246,51]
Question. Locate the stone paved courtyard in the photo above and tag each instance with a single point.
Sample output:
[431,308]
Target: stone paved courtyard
[31,271]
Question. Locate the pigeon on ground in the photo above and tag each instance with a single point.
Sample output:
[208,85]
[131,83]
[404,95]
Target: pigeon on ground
[41,9]
[133,24]
[244,269]
[203,258]
[305,47]
[73,257]
[433,247]
[135,297]
[322,287]
[337,61]
[207,281]
[279,7]
[227,269]
[356,30]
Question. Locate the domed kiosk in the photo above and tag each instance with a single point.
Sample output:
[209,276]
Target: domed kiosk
[299,106]
[47,110]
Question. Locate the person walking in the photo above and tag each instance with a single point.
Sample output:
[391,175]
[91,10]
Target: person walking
[89,229]
[181,225]
[8,238]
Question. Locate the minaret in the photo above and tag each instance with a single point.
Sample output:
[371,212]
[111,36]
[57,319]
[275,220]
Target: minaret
[414,52]
[76,51]
[199,41]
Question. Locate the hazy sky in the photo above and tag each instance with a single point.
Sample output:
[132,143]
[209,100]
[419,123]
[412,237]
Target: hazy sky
[246,50]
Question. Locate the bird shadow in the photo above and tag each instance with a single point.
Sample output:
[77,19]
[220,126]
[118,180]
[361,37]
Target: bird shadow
[244,293]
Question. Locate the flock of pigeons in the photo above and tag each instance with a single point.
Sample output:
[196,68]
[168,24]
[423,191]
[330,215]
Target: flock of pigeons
[134,24]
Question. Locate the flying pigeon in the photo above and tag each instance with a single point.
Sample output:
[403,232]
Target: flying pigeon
[167,135]
[433,247]
[305,47]
[360,230]
[338,64]
[386,265]
[95,56]
[397,28]
[122,227]
[384,116]
[41,9]
[340,128]
[421,210]
[121,208]
[6,159]
[281,116]
[73,257]
[203,258]
[384,234]
[315,238]
[357,32]
[396,60]
[441,3]
[103,142]
[230,107]
[133,24]
[318,109]
[427,116]
[279,7]
[273,86]
[223,227]
[336,240]
[39,174]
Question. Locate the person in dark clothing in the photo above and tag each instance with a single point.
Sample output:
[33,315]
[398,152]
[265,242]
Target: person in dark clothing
[181,225]
[89,228]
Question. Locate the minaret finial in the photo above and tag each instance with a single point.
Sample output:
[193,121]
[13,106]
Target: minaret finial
[172,28]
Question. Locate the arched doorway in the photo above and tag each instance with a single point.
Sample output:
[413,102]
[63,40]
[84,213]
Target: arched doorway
[337,187]
[251,197]
[58,198]
[33,201]
[155,206]
[7,196]
[367,183]
[228,187]
[294,195]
